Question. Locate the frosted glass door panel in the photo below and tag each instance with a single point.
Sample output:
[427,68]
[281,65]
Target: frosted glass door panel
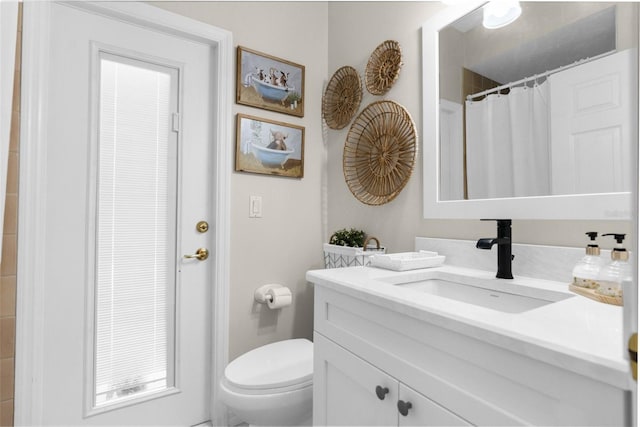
[136,230]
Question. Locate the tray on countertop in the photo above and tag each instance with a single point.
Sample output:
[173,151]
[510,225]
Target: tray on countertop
[407,260]
[592,294]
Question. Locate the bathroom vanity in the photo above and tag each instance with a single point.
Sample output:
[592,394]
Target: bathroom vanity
[455,346]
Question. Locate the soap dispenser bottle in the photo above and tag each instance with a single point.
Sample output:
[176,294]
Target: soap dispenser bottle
[587,270]
[615,272]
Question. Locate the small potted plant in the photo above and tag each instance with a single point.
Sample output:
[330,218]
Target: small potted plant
[352,238]
[348,248]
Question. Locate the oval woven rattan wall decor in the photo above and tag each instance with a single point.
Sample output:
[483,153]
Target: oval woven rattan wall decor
[380,152]
[342,97]
[383,67]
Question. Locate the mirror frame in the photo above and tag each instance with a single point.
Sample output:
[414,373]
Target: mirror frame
[603,206]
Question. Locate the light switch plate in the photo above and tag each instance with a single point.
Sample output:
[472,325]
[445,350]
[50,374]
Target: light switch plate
[255,207]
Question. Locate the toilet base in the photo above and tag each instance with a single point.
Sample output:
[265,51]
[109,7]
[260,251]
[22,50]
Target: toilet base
[292,408]
[306,423]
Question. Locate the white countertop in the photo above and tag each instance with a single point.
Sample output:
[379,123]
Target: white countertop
[577,334]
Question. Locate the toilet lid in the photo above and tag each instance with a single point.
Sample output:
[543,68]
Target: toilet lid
[279,364]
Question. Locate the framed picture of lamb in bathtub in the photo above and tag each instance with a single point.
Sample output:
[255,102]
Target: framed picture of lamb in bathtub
[271,83]
[269,147]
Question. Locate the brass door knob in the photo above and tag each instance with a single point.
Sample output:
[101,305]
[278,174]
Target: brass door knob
[202,226]
[201,254]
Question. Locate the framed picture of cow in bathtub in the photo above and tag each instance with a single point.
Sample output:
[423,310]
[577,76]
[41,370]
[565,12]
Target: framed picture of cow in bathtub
[271,83]
[269,147]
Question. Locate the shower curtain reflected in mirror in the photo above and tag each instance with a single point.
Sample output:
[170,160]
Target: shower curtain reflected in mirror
[507,141]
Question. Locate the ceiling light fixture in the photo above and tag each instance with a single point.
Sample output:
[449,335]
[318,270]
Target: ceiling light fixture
[499,13]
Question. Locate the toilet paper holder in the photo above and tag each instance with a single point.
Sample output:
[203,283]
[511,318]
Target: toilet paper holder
[260,295]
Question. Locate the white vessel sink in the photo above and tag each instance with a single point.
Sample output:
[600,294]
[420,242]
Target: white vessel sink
[508,296]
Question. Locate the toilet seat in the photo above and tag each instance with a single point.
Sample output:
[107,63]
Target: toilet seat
[274,368]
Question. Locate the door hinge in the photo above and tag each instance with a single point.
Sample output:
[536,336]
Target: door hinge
[175,122]
[633,355]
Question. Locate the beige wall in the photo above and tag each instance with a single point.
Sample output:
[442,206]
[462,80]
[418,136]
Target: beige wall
[451,63]
[356,28]
[286,242]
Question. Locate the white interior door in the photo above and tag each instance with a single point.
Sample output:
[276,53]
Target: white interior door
[129,168]
[592,125]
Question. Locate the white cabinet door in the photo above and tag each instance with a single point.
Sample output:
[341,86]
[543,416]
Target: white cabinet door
[344,389]
[424,411]
[348,391]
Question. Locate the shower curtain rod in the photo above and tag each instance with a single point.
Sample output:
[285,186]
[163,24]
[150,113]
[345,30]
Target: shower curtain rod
[537,76]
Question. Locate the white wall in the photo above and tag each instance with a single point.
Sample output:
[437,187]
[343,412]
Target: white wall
[356,28]
[286,242]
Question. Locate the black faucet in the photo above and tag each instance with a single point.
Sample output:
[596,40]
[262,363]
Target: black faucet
[504,247]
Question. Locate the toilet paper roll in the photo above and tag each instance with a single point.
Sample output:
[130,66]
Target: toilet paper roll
[279,297]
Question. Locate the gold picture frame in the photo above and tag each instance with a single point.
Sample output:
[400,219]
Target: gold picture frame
[270,83]
[269,147]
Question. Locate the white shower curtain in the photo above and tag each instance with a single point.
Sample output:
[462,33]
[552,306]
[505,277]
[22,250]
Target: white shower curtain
[507,144]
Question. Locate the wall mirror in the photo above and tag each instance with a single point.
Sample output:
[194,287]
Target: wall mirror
[536,119]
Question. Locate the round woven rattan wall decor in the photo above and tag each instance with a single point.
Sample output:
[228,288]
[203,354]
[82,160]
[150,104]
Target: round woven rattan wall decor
[383,67]
[342,97]
[380,152]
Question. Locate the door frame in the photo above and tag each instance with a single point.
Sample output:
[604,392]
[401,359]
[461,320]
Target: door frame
[32,191]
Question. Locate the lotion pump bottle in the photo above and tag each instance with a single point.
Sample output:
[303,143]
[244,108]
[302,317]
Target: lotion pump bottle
[587,270]
[615,272]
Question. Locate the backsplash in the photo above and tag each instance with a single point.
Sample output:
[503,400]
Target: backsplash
[536,261]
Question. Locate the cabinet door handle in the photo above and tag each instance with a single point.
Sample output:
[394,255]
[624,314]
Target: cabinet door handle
[381,392]
[403,407]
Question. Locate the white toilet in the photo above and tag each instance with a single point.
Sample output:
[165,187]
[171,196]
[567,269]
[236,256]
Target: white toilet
[271,385]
